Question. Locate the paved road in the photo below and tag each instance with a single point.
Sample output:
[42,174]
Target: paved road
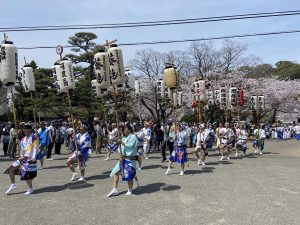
[253,190]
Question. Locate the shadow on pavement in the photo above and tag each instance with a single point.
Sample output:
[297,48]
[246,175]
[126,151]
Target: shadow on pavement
[151,167]
[271,153]
[71,186]
[202,170]
[3,159]
[98,177]
[155,187]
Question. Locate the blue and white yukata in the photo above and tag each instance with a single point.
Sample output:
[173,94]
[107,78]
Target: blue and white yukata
[29,149]
[147,138]
[179,155]
[209,138]
[140,137]
[297,132]
[112,137]
[129,151]
[242,136]
[84,147]
[44,140]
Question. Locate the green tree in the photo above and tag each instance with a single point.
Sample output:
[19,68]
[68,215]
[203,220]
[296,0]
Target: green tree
[287,70]
[85,46]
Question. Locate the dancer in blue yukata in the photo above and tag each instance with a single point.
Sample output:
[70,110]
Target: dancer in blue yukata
[179,155]
[44,140]
[83,141]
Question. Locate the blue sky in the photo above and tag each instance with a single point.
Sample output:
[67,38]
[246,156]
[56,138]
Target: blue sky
[66,12]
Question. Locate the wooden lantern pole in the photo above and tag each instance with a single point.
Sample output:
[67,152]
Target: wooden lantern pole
[114,93]
[59,51]
[257,110]
[13,103]
[15,117]
[122,160]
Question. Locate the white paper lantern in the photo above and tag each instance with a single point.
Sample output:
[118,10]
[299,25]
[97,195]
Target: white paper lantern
[67,74]
[95,89]
[179,98]
[217,97]
[175,100]
[102,69]
[223,97]
[117,72]
[137,87]
[9,63]
[232,97]
[254,102]
[129,80]
[261,103]
[168,93]
[27,78]
[210,97]
[199,89]
[161,89]
[57,75]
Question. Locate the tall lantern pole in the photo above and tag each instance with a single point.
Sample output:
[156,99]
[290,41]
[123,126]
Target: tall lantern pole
[117,77]
[171,80]
[9,72]
[28,82]
[257,109]
[59,51]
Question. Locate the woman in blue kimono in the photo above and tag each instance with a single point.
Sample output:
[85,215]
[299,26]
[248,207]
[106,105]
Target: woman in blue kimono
[83,141]
[127,164]
[179,155]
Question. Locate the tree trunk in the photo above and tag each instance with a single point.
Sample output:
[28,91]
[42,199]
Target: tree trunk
[274,115]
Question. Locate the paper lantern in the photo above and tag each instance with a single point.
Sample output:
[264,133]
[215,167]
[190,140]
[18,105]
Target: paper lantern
[9,63]
[171,76]
[210,97]
[175,100]
[57,75]
[261,103]
[129,80]
[137,87]
[179,98]
[116,65]
[232,101]
[27,78]
[223,97]
[168,93]
[161,89]
[67,74]
[254,102]
[199,90]
[217,97]
[96,91]
[102,69]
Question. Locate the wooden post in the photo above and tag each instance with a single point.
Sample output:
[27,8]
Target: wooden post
[199,112]
[73,124]
[15,118]
[257,110]
[118,126]
[33,109]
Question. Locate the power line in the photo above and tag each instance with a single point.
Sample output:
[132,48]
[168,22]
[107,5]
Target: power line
[153,23]
[180,41]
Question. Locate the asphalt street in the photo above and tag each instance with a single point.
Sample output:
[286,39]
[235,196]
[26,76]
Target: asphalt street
[252,190]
